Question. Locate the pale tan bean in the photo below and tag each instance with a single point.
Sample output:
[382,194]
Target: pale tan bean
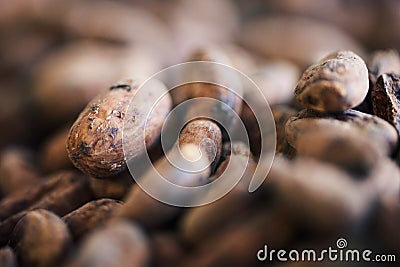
[337,83]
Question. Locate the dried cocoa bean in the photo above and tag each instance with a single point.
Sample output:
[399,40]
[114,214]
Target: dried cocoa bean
[95,140]
[40,238]
[92,214]
[372,127]
[337,83]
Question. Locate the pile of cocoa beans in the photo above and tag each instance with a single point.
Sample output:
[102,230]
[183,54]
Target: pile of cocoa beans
[329,70]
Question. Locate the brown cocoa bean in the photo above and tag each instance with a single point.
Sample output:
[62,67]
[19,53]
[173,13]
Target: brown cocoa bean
[40,238]
[95,140]
[346,148]
[91,215]
[372,127]
[337,83]
[205,134]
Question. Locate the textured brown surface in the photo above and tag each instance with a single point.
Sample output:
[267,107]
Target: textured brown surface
[95,143]
[337,83]
[204,134]
[386,99]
